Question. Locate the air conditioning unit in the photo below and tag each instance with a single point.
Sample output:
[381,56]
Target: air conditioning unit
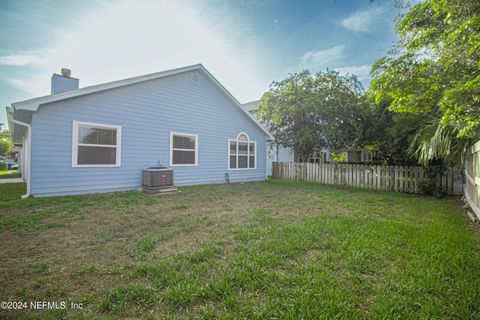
[158,180]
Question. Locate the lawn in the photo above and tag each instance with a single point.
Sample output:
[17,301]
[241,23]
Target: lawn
[9,174]
[283,250]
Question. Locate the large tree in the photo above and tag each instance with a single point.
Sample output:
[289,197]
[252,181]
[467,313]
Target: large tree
[434,72]
[308,111]
[288,110]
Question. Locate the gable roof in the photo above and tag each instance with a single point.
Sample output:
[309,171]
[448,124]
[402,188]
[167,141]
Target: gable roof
[33,105]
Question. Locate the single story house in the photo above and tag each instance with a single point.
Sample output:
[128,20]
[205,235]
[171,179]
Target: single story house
[99,138]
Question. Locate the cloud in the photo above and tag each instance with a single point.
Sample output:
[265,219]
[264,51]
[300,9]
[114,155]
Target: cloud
[19,60]
[362,72]
[315,60]
[364,20]
[129,38]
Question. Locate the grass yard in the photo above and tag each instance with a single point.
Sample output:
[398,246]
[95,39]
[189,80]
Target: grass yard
[284,250]
[9,174]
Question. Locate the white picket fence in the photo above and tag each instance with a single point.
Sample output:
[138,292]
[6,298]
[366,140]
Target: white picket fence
[393,178]
[472,179]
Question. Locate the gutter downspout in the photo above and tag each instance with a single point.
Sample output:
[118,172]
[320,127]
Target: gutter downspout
[29,132]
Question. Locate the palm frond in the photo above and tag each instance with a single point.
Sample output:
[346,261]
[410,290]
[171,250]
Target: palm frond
[437,141]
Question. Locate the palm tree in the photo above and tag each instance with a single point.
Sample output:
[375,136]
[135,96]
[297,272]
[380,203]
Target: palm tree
[435,141]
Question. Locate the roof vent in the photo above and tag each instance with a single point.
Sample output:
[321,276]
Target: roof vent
[195,79]
[66,72]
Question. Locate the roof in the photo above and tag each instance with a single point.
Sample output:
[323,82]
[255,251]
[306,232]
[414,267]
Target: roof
[33,105]
[252,105]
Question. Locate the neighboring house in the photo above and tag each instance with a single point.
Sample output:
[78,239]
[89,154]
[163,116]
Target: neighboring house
[275,152]
[99,138]
[319,156]
[13,155]
[357,155]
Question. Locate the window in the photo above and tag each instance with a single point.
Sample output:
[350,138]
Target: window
[242,153]
[366,156]
[95,145]
[183,149]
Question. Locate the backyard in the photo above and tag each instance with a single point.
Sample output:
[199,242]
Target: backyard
[283,250]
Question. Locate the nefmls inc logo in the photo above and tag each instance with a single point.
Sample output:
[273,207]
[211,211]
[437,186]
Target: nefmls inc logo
[40,305]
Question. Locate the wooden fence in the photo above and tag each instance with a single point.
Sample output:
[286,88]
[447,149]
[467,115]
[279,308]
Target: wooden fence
[393,178]
[471,189]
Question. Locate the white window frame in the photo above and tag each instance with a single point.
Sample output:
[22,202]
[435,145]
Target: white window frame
[248,153]
[75,145]
[183,134]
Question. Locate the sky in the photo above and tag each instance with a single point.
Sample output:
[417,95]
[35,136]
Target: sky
[245,44]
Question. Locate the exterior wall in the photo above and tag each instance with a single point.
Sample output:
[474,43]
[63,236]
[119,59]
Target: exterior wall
[147,112]
[271,157]
[21,160]
[26,157]
[285,155]
[277,154]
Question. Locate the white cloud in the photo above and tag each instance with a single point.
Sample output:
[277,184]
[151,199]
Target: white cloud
[19,60]
[362,72]
[129,38]
[364,20]
[315,60]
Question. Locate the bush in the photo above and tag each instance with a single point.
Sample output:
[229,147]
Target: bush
[426,186]
[3,166]
[431,183]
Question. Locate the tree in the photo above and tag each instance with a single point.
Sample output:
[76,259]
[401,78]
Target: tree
[393,133]
[434,73]
[6,144]
[288,111]
[307,111]
[341,105]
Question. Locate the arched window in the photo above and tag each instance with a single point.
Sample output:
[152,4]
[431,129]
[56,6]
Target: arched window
[242,153]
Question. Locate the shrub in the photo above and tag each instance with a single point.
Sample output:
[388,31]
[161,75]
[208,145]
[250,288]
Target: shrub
[431,183]
[3,165]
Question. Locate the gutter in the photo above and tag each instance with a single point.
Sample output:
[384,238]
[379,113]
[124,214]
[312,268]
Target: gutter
[29,132]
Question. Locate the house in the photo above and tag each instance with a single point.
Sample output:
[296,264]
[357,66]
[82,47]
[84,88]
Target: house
[354,155]
[99,138]
[275,152]
[13,155]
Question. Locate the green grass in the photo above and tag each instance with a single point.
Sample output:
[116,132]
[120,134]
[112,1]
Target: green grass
[284,250]
[11,191]
[9,174]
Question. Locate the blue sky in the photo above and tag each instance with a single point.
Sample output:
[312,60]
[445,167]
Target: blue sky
[245,44]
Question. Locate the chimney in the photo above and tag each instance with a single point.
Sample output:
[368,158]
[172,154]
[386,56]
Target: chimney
[63,82]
